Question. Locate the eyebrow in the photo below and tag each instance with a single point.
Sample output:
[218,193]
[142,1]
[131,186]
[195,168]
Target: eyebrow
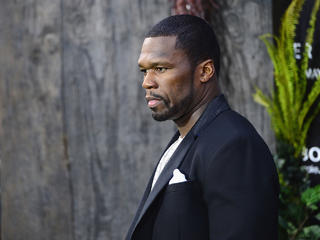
[157,63]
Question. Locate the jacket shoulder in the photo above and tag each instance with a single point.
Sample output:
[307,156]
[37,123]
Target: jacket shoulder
[229,127]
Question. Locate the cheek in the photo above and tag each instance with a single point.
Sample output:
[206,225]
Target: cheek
[179,90]
[175,85]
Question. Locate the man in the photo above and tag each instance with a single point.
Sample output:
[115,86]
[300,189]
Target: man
[216,179]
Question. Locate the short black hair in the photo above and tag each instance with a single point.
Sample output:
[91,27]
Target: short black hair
[194,35]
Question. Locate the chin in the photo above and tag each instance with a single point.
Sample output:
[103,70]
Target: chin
[159,117]
[167,114]
[164,115]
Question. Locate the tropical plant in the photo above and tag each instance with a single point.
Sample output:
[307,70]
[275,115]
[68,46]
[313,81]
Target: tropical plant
[292,111]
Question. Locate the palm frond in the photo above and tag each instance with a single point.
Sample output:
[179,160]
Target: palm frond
[312,97]
[302,84]
[290,110]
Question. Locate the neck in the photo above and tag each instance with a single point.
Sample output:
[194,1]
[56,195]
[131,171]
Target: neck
[187,121]
[184,124]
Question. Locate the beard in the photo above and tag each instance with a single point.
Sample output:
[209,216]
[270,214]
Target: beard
[175,111]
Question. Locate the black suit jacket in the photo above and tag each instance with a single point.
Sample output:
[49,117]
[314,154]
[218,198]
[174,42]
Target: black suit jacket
[232,187]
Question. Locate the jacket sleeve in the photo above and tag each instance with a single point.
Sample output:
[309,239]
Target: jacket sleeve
[240,188]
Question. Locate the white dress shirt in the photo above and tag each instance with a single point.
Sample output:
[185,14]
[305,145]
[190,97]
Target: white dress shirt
[165,159]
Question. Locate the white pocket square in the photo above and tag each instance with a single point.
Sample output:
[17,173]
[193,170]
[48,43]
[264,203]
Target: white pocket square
[178,177]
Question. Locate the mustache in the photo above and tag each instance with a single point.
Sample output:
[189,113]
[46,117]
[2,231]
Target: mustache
[151,94]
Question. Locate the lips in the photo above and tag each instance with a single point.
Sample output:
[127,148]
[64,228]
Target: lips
[153,102]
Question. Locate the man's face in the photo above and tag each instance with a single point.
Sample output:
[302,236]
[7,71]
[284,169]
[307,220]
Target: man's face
[168,79]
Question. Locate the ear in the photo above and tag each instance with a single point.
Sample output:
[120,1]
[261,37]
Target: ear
[206,70]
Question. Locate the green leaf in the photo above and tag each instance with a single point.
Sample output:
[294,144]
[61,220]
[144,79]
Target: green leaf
[311,232]
[311,196]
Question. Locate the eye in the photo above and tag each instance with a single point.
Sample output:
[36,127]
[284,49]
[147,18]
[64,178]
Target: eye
[144,71]
[160,69]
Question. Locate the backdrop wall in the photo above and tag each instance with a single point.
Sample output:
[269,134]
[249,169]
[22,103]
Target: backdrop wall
[77,141]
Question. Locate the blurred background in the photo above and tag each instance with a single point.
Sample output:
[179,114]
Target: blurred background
[77,141]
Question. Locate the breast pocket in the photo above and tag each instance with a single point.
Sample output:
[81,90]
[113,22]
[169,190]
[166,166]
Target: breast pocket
[182,213]
[183,186]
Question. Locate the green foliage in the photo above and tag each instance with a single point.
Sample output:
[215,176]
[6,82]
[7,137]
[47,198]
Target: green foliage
[298,201]
[311,197]
[310,233]
[292,111]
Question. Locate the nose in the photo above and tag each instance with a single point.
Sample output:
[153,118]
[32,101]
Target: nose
[149,81]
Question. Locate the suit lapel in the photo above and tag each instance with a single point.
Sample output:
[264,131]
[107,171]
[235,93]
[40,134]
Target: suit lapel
[147,192]
[217,106]
[166,174]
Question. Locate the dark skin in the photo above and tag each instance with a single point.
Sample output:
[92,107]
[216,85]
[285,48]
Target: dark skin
[174,90]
